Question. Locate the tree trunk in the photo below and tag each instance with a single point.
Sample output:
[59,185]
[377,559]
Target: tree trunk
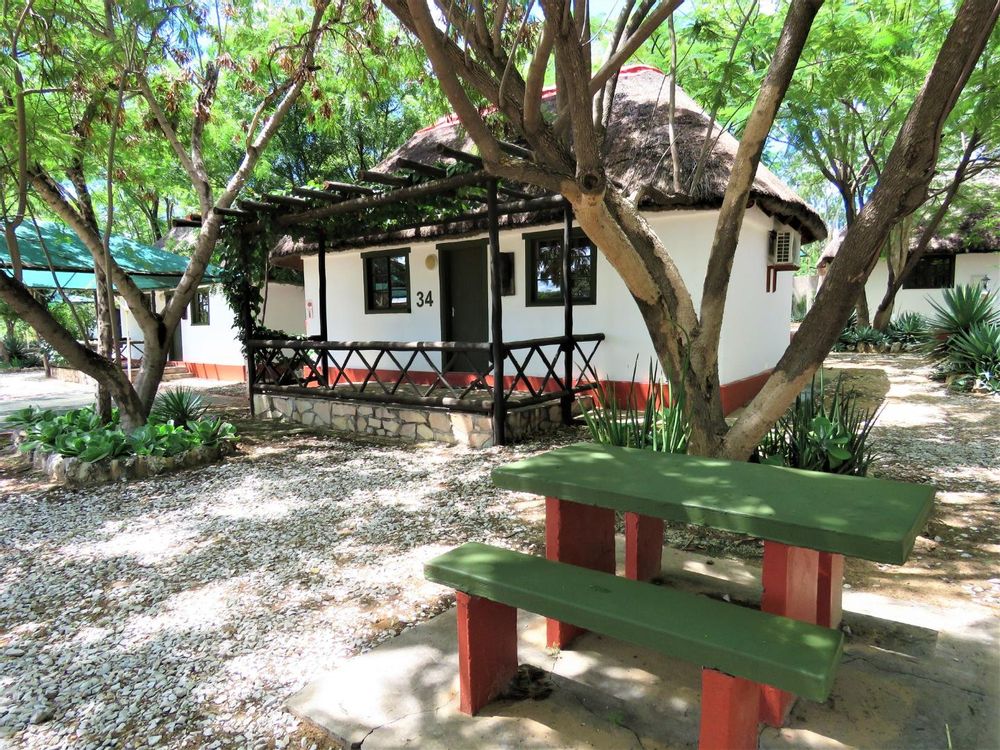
[90,362]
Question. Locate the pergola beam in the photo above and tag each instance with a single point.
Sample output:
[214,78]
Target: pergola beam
[323,195]
[421,190]
[420,168]
[287,200]
[347,187]
[382,178]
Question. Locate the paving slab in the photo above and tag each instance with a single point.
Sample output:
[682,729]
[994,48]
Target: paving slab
[909,671]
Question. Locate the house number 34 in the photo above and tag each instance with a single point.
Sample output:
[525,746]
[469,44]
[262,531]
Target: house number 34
[425,299]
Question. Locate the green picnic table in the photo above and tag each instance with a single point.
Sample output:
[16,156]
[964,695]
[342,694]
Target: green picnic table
[808,521]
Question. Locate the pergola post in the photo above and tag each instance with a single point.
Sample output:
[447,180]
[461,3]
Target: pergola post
[567,400]
[245,315]
[496,318]
[324,333]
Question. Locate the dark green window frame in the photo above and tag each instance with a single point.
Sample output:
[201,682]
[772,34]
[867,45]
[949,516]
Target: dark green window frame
[932,272]
[201,308]
[378,272]
[583,275]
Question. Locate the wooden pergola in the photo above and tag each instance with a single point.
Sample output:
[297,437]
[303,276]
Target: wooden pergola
[308,211]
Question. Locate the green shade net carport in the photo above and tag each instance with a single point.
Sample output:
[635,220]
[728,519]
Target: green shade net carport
[151,268]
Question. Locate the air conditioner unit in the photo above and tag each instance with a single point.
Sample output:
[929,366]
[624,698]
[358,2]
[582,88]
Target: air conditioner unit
[784,251]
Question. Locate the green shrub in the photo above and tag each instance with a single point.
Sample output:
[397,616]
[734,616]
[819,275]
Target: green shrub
[962,308]
[20,352]
[821,433]
[974,355]
[659,425]
[212,432]
[81,434]
[870,336]
[181,406]
[909,328]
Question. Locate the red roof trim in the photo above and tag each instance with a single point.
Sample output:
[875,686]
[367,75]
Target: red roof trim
[547,92]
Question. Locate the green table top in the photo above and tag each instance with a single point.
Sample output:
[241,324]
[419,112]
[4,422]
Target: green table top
[874,519]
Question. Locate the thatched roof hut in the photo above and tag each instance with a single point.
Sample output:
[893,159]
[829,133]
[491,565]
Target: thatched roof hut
[638,159]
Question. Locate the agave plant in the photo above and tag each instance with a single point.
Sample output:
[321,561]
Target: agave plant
[653,419]
[962,308]
[908,328]
[180,406]
[821,433]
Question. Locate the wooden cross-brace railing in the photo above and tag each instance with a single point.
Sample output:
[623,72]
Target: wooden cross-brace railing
[454,374]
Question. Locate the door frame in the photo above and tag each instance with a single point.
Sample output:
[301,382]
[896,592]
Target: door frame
[444,292]
[444,289]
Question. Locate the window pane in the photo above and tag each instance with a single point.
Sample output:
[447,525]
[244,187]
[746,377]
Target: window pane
[548,271]
[932,272]
[400,280]
[378,283]
[581,271]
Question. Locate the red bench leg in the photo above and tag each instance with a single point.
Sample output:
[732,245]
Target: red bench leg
[487,650]
[729,711]
[829,609]
[791,577]
[581,535]
[643,546]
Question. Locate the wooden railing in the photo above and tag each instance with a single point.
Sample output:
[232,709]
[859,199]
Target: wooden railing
[455,374]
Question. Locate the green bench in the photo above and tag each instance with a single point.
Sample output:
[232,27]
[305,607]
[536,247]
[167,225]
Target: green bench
[755,662]
[738,648]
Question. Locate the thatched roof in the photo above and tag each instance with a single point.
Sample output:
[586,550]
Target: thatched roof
[638,140]
[973,233]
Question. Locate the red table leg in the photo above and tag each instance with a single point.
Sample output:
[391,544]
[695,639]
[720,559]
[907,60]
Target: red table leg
[791,576]
[830,592]
[729,709]
[643,546]
[581,535]
[487,650]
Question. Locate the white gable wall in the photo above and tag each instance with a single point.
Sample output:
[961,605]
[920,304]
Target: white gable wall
[755,329]
[218,342]
[969,270]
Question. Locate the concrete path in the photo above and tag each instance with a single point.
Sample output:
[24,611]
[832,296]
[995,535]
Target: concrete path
[31,388]
[910,675]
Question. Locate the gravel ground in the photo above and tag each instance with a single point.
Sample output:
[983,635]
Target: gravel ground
[181,612]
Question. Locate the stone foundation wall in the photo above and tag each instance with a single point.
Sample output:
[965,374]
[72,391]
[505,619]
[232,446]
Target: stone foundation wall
[76,473]
[413,424]
[70,375]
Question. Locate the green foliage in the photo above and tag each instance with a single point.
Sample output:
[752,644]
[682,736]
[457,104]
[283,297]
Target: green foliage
[653,420]
[81,434]
[179,406]
[821,432]
[800,306]
[909,328]
[974,354]
[20,352]
[962,308]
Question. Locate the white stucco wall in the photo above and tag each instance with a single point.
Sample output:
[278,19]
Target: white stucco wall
[218,342]
[755,328]
[969,269]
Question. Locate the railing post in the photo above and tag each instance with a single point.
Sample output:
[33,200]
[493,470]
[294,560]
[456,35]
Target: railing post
[323,325]
[496,319]
[245,315]
[567,400]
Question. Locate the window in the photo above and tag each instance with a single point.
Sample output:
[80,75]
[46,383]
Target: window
[545,269]
[169,296]
[199,309]
[387,281]
[506,274]
[932,272]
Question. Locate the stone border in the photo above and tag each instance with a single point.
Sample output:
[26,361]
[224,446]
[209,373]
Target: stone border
[408,423]
[73,472]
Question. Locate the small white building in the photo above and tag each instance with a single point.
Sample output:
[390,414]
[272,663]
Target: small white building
[206,341]
[403,292]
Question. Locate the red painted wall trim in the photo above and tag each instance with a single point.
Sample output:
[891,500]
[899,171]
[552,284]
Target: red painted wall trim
[734,395]
[217,372]
[739,392]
